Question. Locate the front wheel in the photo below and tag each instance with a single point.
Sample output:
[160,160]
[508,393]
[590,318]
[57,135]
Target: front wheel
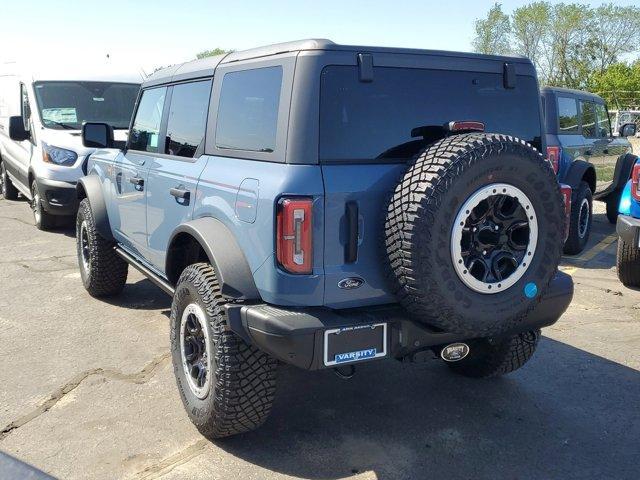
[490,358]
[612,207]
[628,264]
[43,220]
[227,386]
[103,272]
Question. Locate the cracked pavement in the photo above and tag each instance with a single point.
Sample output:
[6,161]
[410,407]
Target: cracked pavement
[88,389]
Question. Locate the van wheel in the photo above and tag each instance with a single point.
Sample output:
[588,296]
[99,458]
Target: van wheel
[581,220]
[489,358]
[628,264]
[9,191]
[613,203]
[227,386]
[44,221]
[103,272]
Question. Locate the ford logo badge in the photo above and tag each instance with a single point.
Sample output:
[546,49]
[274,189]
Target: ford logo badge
[350,283]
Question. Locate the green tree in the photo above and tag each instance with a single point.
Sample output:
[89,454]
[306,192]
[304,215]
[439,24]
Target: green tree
[492,33]
[616,32]
[212,53]
[618,84]
[530,27]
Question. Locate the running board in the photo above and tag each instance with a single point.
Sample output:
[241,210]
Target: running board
[160,282]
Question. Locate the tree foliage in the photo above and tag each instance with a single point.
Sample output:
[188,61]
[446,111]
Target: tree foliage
[568,42]
[212,53]
[619,84]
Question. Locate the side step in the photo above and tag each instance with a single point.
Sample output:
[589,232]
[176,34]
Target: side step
[165,286]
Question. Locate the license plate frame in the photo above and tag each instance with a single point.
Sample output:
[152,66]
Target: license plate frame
[367,344]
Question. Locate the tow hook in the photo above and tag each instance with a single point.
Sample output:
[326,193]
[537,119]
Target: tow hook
[345,372]
[454,352]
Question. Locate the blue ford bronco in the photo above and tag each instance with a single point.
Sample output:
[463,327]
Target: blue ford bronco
[586,155]
[323,206]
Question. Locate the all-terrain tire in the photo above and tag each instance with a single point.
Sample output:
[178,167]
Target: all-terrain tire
[43,220]
[578,237]
[419,224]
[103,272]
[613,202]
[9,191]
[628,264]
[491,359]
[243,379]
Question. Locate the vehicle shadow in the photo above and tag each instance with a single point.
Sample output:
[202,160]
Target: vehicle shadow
[600,251]
[141,295]
[568,414]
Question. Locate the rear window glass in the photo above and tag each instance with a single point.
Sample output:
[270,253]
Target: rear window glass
[568,116]
[248,112]
[187,118]
[604,127]
[394,116]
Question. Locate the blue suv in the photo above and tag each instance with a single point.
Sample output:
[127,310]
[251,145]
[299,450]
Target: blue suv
[586,155]
[324,206]
[628,229]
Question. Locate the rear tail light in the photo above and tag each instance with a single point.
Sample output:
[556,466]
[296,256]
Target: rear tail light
[466,126]
[566,196]
[635,182]
[553,155]
[294,235]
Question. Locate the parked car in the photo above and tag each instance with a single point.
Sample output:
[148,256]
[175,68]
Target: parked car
[628,229]
[323,206]
[586,156]
[41,114]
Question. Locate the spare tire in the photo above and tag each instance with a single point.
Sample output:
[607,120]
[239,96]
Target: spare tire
[474,233]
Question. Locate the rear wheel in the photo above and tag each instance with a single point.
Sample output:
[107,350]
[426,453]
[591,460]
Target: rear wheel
[581,220]
[42,219]
[491,358]
[628,263]
[226,385]
[474,233]
[9,191]
[103,272]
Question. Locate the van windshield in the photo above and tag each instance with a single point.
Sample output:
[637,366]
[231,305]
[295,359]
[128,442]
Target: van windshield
[393,117]
[68,104]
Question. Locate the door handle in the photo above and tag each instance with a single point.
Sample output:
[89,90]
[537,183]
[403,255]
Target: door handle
[137,181]
[180,193]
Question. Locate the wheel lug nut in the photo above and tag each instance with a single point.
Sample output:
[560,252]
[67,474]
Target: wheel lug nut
[496,228]
[484,252]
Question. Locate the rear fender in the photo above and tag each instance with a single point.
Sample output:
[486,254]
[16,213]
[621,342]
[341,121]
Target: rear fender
[622,174]
[579,171]
[234,275]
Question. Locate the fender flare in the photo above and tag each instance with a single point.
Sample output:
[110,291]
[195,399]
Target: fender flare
[90,187]
[576,173]
[622,173]
[227,258]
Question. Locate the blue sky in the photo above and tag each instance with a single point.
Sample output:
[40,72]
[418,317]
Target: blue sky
[152,33]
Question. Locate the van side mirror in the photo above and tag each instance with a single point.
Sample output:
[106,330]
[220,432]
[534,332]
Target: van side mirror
[97,135]
[17,131]
[627,130]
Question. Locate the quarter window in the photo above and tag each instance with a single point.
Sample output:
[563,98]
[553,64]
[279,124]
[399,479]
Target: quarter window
[146,126]
[568,116]
[187,118]
[604,127]
[589,119]
[248,112]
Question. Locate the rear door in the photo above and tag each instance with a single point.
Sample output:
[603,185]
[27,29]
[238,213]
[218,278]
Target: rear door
[173,173]
[370,128]
[19,153]
[131,170]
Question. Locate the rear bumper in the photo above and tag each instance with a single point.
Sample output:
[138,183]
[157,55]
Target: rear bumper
[58,197]
[297,336]
[628,229]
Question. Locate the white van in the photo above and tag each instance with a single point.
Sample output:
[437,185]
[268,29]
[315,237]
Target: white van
[41,118]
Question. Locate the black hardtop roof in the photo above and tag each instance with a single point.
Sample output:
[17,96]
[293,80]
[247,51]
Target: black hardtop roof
[205,67]
[575,93]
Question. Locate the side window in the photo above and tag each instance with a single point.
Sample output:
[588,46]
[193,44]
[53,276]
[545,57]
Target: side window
[187,118]
[248,111]
[589,119]
[604,127]
[568,116]
[25,108]
[146,126]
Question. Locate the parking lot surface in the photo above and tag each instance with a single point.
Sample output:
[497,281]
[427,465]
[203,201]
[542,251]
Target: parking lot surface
[88,389]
